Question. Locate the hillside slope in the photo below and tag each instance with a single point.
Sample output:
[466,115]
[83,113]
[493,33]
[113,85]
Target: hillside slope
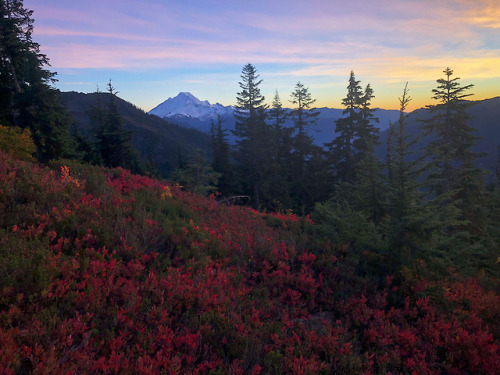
[156,139]
[106,272]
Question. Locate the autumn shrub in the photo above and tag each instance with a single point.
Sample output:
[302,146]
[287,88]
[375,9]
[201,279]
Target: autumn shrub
[17,142]
[108,272]
[92,177]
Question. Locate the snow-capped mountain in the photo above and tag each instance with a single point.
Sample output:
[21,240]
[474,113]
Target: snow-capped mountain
[187,105]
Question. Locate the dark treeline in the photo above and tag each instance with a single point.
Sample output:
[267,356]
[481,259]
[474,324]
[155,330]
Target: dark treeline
[405,206]
[27,99]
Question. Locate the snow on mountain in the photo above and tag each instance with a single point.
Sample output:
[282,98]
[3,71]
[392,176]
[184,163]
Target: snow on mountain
[187,105]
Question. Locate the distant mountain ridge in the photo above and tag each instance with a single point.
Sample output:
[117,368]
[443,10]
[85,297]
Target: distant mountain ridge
[163,142]
[158,141]
[485,118]
[188,111]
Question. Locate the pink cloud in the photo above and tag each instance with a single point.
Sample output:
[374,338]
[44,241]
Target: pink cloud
[385,41]
[54,31]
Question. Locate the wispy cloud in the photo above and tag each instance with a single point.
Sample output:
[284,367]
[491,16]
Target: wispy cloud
[65,32]
[386,40]
[311,37]
[486,14]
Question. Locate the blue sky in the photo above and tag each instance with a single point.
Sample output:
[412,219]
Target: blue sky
[152,50]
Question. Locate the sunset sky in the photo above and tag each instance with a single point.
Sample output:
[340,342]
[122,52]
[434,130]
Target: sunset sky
[152,50]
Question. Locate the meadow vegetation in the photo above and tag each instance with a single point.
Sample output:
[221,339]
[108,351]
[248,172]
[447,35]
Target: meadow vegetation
[104,271]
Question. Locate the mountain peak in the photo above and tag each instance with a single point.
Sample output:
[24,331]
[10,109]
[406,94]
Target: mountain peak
[189,96]
[187,105]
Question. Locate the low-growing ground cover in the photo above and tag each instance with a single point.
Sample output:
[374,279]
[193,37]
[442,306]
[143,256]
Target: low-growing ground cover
[107,272]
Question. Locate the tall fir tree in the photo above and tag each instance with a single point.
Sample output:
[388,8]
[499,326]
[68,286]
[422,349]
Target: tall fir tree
[277,115]
[454,181]
[342,148]
[358,173]
[367,133]
[304,116]
[407,230]
[369,171]
[281,136]
[277,183]
[252,132]
[27,98]
[114,143]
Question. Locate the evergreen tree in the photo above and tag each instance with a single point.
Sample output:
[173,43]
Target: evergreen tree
[369,171]
[277,114]
[497,169]
[281,138]
[454,181]
[277,183]
[27,98]
[113,142]
[491,242]
[493,209]
[359,175]
[197,176]
[391,133]
[252,131]
[304,115]
[342,148]
[318,182]
[369,192]
[406,225]
[451,148]
[84,150]
[221,162]
[367,133]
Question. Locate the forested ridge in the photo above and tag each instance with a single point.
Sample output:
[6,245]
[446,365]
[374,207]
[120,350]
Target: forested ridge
[272,256]
[160,143]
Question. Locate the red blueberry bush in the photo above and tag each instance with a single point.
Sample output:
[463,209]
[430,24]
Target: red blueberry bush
[107,272]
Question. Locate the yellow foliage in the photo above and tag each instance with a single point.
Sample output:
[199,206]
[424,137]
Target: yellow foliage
[65,177]
[17,142]
[166,193]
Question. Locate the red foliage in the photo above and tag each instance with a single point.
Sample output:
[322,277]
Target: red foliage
[217,290]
